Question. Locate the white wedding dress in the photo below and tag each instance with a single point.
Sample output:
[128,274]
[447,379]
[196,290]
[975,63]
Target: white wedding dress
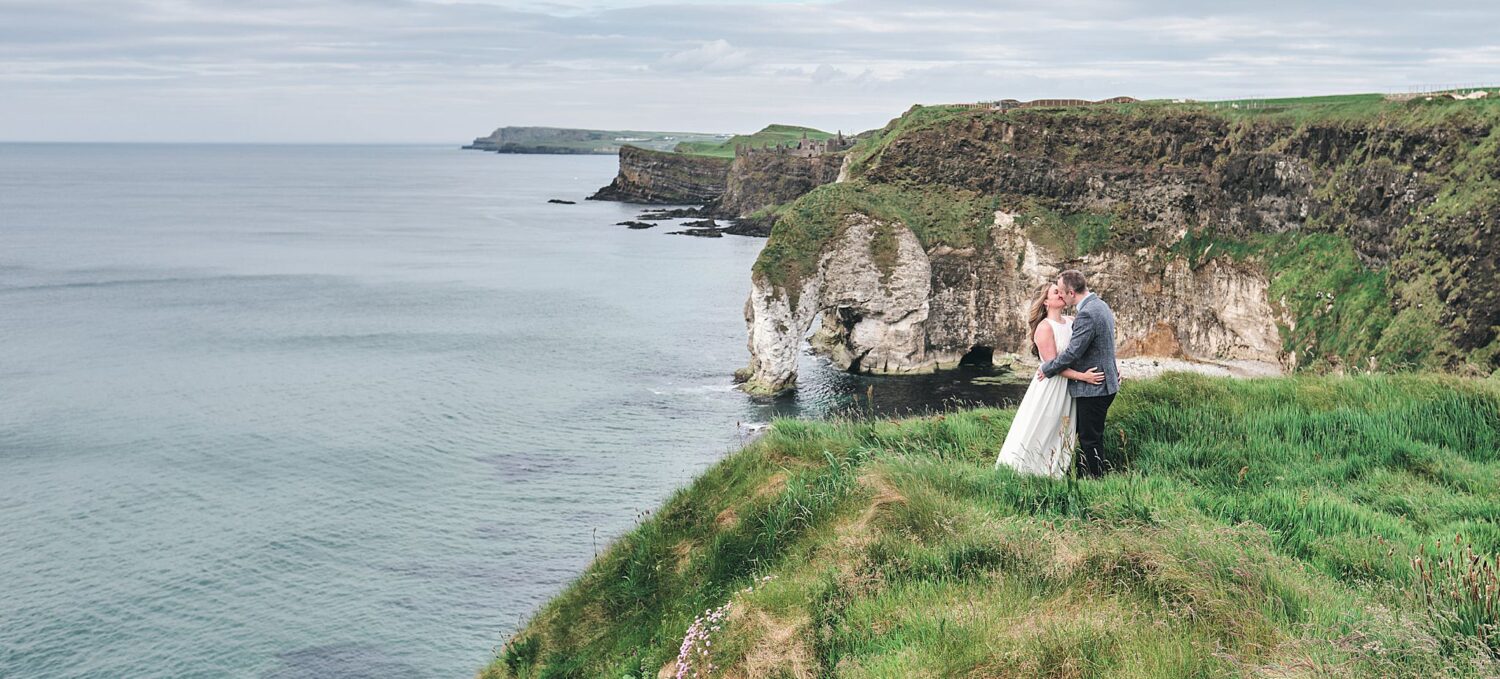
[1042,436]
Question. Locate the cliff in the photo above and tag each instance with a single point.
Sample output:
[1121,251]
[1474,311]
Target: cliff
[758,182]
[1352,236]
[666,178]
[1294,526]
[741,186]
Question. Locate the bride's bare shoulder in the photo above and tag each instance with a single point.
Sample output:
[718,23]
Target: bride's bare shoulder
[1043,332]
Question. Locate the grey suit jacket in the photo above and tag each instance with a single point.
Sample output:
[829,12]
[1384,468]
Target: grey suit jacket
[1092,346]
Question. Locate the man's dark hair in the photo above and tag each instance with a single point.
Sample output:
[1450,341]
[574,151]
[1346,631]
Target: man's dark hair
[1072,279]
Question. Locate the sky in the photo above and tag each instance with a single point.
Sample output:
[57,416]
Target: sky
[445,71]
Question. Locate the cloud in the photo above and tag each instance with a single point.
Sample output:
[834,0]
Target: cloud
[444,70]
[718,55]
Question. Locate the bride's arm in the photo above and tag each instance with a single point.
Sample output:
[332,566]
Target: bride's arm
[1093,376]
[1046,347]
[1083,334]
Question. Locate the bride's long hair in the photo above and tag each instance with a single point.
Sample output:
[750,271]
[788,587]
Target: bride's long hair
[1036,314]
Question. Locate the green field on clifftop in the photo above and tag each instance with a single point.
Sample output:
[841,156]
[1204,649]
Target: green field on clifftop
[1305,526]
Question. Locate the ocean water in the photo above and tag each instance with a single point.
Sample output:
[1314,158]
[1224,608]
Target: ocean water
[302,411]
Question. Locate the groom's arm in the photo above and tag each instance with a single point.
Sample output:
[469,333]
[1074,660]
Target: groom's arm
[1083,333]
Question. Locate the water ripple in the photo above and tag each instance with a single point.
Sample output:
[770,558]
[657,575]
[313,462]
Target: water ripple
[291,412]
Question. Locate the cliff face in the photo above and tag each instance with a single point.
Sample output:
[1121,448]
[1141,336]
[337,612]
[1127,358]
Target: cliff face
[741,188]
[664,178]
[762,180]
[1344,243]
[934,306]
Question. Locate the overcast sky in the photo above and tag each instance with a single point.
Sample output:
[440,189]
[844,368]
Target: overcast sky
[445,71]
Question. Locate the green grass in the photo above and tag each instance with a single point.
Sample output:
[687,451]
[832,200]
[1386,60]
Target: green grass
[1334,108]
[1070,235]
[771,134]
[867,150]
[1305,526]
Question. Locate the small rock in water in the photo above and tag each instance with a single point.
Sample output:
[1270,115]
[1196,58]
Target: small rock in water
[560,201]
[749,227]
[703,233]
[636,225]
[680,213]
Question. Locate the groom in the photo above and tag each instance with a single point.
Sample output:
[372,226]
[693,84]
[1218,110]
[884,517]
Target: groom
[1092,346]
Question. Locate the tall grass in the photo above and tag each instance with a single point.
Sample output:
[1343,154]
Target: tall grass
[1292,526]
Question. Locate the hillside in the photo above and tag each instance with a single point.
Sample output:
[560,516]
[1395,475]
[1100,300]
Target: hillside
[1286,527]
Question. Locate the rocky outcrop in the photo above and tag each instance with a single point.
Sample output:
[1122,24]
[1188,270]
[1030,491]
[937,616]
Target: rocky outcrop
[739,189]
[872,319]
[938,305]
[665,178]
[1404,191]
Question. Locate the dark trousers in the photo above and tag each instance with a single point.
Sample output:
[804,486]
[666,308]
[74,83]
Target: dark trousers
[1091,411]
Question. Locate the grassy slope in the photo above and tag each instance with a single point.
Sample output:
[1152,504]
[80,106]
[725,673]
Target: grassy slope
[1264,527]
[772,134]
[1334,107]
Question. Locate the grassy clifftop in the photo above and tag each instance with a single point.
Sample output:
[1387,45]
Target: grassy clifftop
[1308,526]
[771,134]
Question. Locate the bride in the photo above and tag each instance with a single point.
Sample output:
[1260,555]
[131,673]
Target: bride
[1042,435]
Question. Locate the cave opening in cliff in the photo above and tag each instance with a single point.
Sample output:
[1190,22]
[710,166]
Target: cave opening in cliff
[980,355]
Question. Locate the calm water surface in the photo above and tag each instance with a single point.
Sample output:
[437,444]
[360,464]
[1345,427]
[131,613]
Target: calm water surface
[297,411]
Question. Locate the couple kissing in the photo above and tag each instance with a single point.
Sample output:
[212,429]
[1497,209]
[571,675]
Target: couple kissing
[1065,406]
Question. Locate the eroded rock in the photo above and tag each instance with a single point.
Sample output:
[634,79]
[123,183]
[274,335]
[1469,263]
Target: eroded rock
[931,308]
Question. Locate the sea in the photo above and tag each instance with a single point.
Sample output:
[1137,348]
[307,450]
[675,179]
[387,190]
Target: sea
[348,411]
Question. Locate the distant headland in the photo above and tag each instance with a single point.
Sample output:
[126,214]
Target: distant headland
[562,140]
